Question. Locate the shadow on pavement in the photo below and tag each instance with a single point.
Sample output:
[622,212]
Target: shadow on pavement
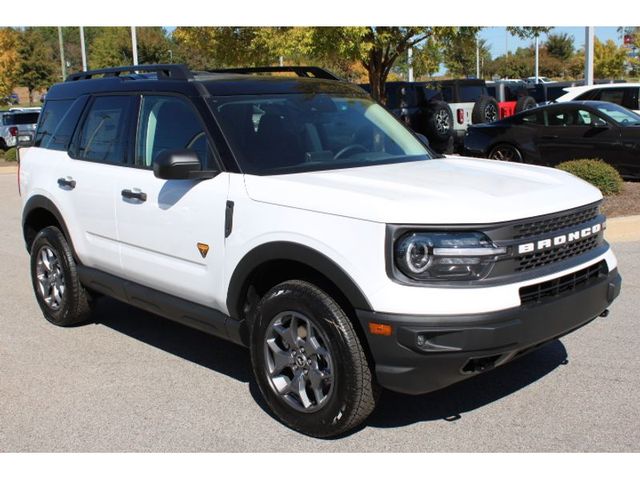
[394,409]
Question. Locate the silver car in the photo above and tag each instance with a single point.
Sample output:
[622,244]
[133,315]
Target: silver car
[17,121]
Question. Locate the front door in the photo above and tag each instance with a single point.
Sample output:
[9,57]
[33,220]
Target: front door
[172,231]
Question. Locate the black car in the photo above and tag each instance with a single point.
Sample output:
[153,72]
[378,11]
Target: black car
[554,133]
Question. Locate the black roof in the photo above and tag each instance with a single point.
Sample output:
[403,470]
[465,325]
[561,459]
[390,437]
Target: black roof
[178,79]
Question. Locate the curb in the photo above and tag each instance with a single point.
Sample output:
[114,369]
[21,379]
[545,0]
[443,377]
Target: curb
[7,170]
[623,229]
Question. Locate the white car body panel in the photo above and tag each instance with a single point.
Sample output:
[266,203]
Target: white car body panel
[88,209]
[159,237]
[440,191]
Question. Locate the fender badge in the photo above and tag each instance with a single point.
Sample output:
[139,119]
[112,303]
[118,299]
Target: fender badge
[203,248]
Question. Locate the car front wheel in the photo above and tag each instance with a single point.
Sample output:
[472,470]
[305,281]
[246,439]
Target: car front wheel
[309,363]
[505,152]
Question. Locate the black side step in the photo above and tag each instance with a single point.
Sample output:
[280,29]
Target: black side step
[188,313]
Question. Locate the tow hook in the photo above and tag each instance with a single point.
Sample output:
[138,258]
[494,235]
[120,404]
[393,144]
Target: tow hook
[605,313]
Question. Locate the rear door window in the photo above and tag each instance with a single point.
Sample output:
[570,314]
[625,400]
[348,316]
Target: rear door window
[613,95]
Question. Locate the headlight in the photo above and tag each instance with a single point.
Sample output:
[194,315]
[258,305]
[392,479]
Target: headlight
[446,256]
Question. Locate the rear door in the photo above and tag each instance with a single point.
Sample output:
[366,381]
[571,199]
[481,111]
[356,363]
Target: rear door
[571,132]
[172,232]
[86,174]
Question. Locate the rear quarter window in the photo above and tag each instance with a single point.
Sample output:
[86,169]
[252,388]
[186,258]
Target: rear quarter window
[50,119]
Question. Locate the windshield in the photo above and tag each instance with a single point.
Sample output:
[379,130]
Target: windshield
[276,134]
[620,114]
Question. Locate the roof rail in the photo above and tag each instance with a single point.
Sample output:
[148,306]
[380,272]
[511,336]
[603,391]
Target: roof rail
[316,72]
[164,72]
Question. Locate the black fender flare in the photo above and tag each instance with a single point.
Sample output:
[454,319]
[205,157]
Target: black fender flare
[41,202]
[293,252]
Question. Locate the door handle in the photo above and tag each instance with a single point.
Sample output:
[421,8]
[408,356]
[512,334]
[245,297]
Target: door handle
[67,182]
[549,137]
[133,194]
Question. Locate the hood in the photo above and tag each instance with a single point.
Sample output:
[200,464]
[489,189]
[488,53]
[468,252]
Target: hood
[452,190]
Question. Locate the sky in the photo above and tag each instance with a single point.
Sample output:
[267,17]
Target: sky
[498,38]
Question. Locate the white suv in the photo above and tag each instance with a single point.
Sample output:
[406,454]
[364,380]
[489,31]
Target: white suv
[297,217]
[623,94]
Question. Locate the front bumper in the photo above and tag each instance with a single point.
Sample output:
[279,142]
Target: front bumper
[427,353]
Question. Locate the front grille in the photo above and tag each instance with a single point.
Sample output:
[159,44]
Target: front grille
[540,227]
[564,285]
[556,254]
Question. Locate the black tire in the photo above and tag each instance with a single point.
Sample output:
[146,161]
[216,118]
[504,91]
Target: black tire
[74,305]
[525,103]
[438,122]
[351,392]
[485,110]
[3,145]
[447,147]
[506,152]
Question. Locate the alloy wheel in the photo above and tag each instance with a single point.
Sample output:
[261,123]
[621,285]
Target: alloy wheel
[300,366]
[50,277]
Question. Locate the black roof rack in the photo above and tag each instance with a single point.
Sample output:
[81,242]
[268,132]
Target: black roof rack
[164,72]
[315,72]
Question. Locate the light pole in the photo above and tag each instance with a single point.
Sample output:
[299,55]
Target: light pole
[537,57]
[588,55]
[477,58]
[134,44]
[63,65]
[83,50]
[410,62]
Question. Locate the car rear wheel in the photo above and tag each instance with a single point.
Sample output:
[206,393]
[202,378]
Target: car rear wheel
[506,152]
[309,363]
[62,298]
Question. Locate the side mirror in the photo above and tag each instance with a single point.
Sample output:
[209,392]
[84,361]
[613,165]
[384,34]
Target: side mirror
[25,140]
[423,139]
[600,124]
[180,165]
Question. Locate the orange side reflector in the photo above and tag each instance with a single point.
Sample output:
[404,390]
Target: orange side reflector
[379,329]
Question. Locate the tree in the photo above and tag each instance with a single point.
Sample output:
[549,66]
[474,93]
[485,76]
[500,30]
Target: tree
[426,60]
[35,66]
[377,48]
[528,32]
[560,46]
[111,46]
[218,47]
[8,61]
[608,59]
[460,53]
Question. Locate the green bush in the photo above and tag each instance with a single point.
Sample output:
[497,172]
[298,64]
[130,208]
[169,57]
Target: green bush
[11,155]
[597,173]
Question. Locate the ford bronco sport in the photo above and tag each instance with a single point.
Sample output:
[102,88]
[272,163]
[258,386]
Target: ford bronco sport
[297,217]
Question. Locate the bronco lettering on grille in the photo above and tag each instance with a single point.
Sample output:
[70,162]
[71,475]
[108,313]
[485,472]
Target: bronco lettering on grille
[560,239]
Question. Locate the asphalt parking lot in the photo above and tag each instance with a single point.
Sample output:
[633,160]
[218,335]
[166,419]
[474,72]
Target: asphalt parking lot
[130,381]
